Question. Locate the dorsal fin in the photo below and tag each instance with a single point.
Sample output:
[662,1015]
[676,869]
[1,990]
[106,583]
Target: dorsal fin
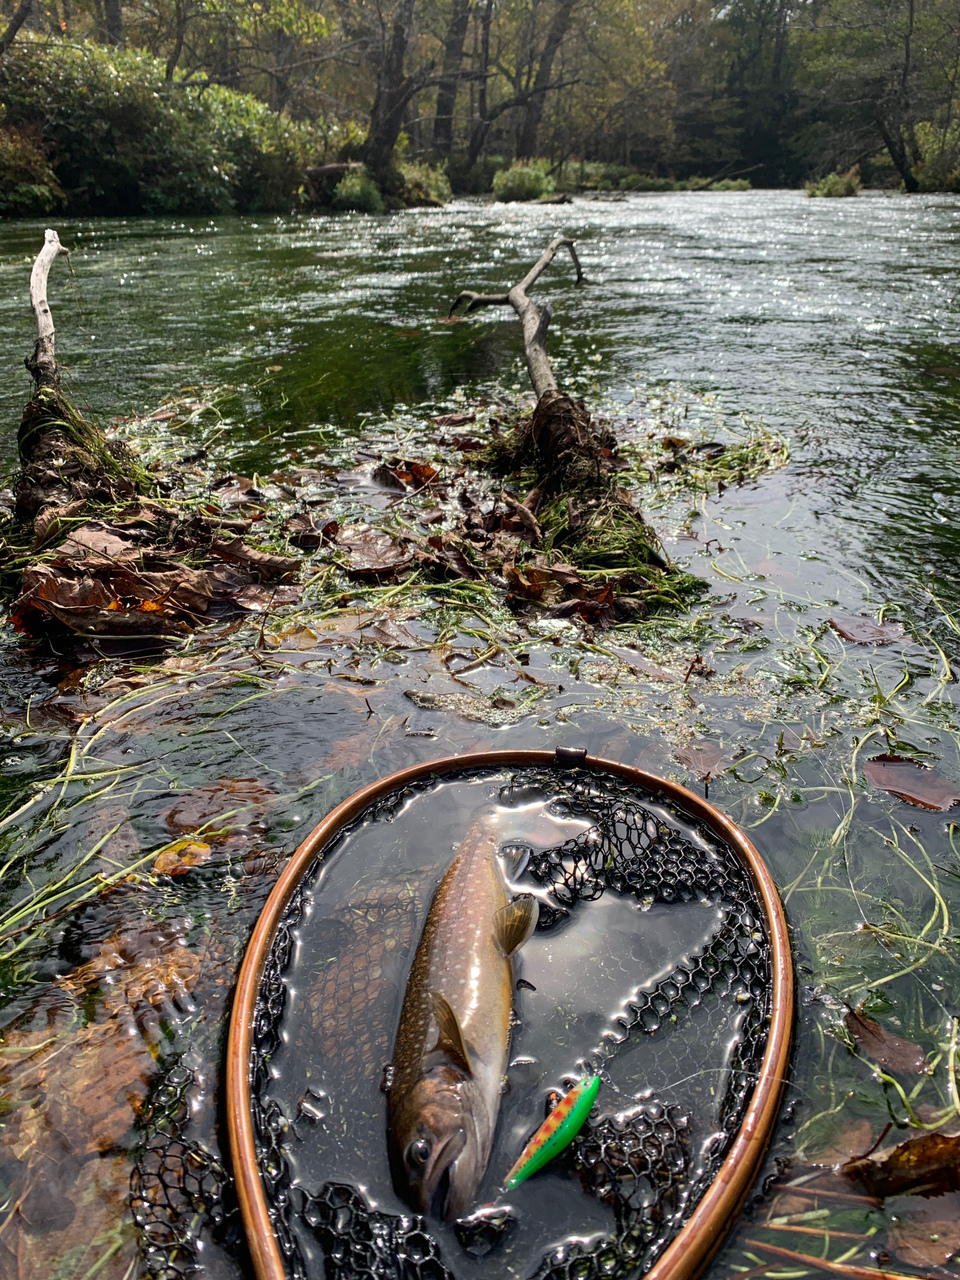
[449,1034]
[514,923]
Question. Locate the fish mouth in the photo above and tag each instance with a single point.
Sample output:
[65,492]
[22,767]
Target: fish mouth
[441,1194]
[438,1199]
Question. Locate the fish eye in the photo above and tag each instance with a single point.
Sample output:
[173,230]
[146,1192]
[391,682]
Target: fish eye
[418,1152]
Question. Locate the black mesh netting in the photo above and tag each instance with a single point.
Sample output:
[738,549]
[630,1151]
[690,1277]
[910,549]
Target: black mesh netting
[646,1164]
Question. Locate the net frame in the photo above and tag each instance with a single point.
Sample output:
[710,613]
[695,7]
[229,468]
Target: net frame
[691,1250]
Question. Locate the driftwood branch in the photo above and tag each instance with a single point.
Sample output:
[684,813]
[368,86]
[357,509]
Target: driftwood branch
[534,322]
[43,363]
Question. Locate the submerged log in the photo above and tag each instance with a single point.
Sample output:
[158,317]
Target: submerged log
[66,459]
[559,438]
[574,504]
[86,551]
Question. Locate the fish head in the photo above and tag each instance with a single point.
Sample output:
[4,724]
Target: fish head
[436,1149]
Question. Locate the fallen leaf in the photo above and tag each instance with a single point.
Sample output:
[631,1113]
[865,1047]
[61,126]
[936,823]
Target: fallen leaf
[845,1142]
[258,599]
[181,856]
[303,532]
[372,554]
[393,635]
[49,523]
[929,1165]
[397,473]
[261,562]
[94,543]
[296,637]
[704,758]
[243,799]
[883,1047]
[916,783]
[454,419]
[446,557]
[862,630]
[926,1233]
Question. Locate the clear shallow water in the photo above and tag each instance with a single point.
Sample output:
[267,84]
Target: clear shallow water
[837,325]
[836,322]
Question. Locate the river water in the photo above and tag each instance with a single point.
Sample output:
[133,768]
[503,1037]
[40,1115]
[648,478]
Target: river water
[833,322]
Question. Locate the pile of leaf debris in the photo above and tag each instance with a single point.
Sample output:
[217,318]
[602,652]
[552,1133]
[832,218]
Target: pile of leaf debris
[142,568]
[565,550]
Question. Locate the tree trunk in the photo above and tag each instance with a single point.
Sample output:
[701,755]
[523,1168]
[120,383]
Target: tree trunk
[393,94]
[180,31]
[893,141]
[16,22]
[527,139]
[478,134]
[450,76]
[113,21]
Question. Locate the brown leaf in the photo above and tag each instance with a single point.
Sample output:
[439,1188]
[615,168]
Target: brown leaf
[262,563]
[845,1141]
[391,634]
[259,599]
[96,543]
[49,523]
[303,531]
[372,554]
[454,419]
[398,473]
[242,798]
[706,759]
[929,1165]
[926,1233]
[883,1047]
[916,783]
[446,557]
[181,856]
[295,637]
[861,630]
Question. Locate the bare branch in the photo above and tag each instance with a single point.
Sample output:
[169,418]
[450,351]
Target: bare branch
[43,364]
[478,300]
[534,323]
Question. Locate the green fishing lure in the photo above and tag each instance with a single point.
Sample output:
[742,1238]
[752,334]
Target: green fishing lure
[557,1132]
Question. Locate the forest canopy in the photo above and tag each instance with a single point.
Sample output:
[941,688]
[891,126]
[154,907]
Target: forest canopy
[214,105]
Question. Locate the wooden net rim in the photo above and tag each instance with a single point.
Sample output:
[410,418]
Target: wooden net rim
[702,1234]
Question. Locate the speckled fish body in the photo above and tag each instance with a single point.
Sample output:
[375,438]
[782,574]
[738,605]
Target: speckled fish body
[450,1052]
[557,1132]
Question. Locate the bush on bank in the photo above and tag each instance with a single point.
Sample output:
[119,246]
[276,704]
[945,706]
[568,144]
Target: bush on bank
[28,185]
[118,138]
[522,182]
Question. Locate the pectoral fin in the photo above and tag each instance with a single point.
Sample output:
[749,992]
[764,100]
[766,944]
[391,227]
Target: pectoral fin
[450,1036]
[514,923]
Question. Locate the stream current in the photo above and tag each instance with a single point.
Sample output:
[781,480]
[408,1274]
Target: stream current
[835,323]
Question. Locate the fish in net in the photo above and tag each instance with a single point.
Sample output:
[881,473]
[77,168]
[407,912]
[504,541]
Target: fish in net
[648,1163]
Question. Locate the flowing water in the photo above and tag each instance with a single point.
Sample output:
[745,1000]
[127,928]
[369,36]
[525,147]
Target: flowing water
[836,323]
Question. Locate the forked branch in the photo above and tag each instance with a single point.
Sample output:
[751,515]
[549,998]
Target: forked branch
[535,323]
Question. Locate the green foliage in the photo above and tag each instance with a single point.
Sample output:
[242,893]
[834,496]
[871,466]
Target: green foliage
[28,185]
[425,185]
[645,182]
[358,193]
[477,180]
[939,145]
[836,184]
[124,140]
[523,182]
